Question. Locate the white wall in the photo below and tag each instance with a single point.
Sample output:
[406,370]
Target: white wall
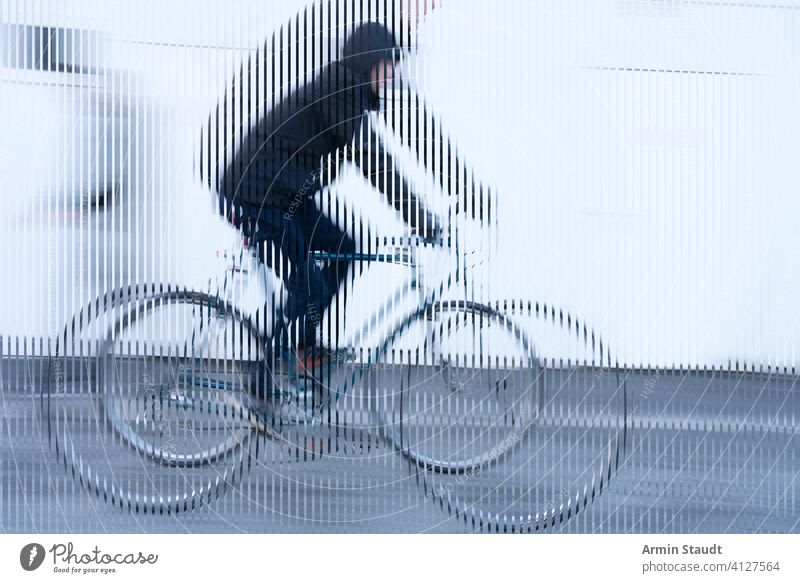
[641,152]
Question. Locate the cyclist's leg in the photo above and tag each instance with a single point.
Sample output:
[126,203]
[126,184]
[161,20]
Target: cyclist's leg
[310,290]
[290,239]
[323,282]
[280,242]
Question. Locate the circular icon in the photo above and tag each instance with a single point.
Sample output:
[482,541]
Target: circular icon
[31,556]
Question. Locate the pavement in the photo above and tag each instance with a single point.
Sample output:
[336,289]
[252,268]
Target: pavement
[574,449]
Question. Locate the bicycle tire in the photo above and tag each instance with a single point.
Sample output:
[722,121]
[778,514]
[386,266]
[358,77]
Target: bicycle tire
[508,440]
[137,299]
[594,457]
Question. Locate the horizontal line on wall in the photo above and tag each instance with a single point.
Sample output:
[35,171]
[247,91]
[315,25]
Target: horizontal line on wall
[674,71]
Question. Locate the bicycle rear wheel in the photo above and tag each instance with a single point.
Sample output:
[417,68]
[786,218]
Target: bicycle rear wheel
[163,419]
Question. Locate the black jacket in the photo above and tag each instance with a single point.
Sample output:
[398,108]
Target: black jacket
[277,163]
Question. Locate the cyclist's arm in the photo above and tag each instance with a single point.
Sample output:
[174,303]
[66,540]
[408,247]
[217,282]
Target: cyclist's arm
[380,169]
[451,172]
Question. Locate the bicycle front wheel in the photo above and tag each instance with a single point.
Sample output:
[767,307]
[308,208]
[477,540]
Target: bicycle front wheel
[502,436]
[454,389]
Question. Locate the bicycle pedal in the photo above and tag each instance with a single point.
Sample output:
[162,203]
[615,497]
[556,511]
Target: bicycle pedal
[297,408]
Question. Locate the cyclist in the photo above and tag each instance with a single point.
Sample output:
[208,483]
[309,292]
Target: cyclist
[280,164]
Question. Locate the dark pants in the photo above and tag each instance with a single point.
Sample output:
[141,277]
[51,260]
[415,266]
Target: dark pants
[291,236]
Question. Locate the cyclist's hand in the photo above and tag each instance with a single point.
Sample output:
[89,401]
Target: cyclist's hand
[432,234]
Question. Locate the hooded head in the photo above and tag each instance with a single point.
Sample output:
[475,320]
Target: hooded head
[369,44]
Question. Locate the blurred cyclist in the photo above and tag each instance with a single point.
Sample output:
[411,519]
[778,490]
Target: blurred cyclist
[267,189]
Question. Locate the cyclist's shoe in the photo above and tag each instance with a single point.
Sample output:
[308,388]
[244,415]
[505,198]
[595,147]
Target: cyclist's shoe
[310,361]
[313,362]
[306,380]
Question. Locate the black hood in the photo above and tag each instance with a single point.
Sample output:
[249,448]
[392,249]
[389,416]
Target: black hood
[369,44]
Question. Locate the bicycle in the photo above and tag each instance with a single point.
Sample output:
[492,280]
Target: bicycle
[177,377]
[186,400]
